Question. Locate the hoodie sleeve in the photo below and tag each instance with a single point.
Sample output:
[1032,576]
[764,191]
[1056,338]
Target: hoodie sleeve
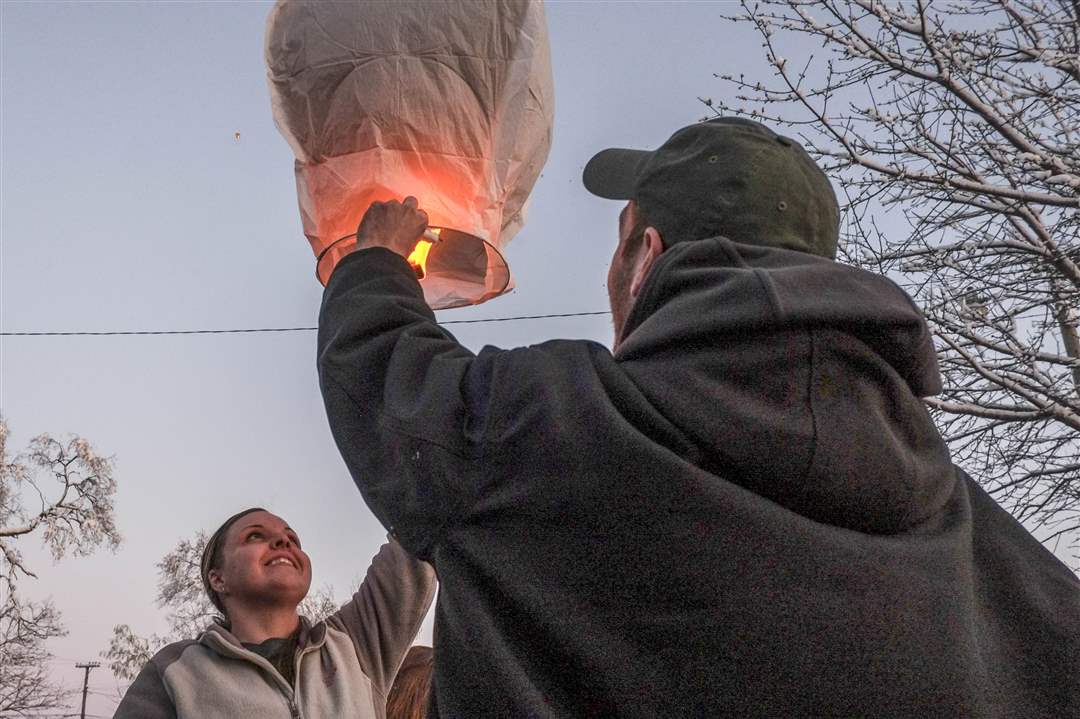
[406,403]
[385,614]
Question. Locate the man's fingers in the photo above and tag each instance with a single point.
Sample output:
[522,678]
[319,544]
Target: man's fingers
[392,224]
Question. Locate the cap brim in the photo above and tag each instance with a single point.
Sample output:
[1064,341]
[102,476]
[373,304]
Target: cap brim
[613,173]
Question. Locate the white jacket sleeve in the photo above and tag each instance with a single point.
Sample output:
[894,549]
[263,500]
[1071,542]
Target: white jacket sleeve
[385,614]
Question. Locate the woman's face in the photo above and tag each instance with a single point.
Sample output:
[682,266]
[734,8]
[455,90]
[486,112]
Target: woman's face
[262,563]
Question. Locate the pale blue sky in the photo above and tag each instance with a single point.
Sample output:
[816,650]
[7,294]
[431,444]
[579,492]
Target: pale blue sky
[127,204]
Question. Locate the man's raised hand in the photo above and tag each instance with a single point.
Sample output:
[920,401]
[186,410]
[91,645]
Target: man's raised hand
[397,226]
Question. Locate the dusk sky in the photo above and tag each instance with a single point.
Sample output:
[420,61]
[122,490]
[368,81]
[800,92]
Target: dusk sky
[127,203]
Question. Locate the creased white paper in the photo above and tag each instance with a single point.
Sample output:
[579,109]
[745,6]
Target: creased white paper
[449,101]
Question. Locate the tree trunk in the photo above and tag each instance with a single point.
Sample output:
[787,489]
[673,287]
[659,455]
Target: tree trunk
[1067,322]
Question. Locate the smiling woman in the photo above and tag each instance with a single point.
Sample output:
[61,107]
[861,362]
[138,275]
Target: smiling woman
[256,574]
[266,576]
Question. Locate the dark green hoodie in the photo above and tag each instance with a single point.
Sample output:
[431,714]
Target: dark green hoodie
[746,511]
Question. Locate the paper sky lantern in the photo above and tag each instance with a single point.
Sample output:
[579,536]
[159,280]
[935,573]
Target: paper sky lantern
[449,101]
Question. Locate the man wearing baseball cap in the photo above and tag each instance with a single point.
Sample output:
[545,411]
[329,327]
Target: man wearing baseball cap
[744,510]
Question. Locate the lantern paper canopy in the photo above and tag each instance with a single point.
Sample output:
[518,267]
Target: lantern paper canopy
[448,101]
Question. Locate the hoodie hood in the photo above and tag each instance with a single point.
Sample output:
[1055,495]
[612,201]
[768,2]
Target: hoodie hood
[795,377]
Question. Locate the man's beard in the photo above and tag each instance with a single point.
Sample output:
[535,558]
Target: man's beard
[619,299]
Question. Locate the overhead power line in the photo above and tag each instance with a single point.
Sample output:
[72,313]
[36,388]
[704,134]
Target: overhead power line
[128,333]
[117,333]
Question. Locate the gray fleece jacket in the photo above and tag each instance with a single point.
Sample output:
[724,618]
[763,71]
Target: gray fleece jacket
[344,664]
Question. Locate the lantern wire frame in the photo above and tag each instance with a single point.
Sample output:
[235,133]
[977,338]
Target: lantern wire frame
[467,261]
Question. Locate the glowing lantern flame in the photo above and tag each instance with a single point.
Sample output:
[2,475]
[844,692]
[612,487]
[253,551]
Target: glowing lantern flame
[419,256]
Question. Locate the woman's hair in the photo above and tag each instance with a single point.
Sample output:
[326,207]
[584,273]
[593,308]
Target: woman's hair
[212,555]
[408,697]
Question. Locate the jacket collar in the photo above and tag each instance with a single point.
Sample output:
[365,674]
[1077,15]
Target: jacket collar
[217,636]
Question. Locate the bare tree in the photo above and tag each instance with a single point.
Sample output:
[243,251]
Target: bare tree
[189,611]
[964,119]
[63,493]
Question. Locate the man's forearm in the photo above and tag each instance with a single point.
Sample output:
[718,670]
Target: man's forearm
[393,382]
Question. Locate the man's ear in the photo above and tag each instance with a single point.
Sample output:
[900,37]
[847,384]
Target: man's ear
[653,247]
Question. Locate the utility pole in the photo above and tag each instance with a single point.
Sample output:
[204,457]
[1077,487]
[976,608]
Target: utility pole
[86,683]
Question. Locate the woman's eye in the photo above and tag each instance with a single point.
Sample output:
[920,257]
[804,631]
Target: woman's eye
[254,535]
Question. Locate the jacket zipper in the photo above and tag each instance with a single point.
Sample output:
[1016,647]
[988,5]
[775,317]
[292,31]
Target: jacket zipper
[287,692]
[294,698]
[292,693]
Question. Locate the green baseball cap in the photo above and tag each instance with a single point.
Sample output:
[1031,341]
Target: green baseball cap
[726,176]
